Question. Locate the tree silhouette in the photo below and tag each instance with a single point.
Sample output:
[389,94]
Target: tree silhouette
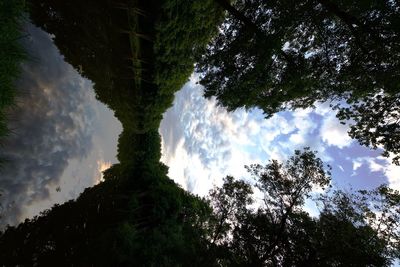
[279,55]
[352,229]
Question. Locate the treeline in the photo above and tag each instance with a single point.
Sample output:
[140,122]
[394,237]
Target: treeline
[139,217]
[138,54]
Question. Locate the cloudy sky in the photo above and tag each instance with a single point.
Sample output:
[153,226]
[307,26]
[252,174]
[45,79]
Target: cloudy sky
[202,143]
[61,139]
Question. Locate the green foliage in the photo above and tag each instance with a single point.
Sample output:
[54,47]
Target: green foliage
[136,149]
[183,32]
[11,54]
[291,182]
[136,76]
[303,52]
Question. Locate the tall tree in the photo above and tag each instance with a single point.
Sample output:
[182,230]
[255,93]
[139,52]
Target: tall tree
[277,55]
[358,229]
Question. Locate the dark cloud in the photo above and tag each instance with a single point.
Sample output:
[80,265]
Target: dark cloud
[51,125]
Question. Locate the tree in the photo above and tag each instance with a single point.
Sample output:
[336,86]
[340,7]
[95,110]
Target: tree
[353,229]
[376,122]
[367,223]
[136,217]
[127,49]
[279,55]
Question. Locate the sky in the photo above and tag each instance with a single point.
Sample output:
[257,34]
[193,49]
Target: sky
[202,143]
[62,138]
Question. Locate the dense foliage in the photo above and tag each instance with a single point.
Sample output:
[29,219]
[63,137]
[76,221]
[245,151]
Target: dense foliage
[277,55]
[11,54]
[138,217]
[376,122]
[352,229]
[144,58]
[193,25]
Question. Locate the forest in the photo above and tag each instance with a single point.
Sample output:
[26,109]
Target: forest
[274,55]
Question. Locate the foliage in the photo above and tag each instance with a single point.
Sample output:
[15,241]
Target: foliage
[359,229]
[376,122]
[183,32]
[135,75]
[141,218]
[376,214]
[11,54]
[92,42]
[279,55]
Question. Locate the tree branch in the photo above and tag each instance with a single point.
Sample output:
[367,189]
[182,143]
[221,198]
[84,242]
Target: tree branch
[248,23]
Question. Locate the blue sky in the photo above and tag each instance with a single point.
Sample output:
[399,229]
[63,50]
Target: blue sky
[202,143]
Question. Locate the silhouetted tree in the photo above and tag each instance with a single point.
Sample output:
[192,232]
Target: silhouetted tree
[279,55]
[358,229]
[375,121]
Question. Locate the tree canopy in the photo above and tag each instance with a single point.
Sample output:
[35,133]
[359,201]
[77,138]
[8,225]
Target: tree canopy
[138,54]
[279,55]
[352,229]
[139,217]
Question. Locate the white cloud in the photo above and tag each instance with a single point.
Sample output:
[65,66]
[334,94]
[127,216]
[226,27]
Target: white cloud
[356,164]
[392,172]
[380,165]
[333,133]
[202,142]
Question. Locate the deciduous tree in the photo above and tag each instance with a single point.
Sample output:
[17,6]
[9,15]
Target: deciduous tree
[279,55]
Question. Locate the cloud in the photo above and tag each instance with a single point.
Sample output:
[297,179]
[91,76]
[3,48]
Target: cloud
[202,142]
[333,133]
[356,164]
[384,166]
[101,167]
[392,173]
[51,125]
